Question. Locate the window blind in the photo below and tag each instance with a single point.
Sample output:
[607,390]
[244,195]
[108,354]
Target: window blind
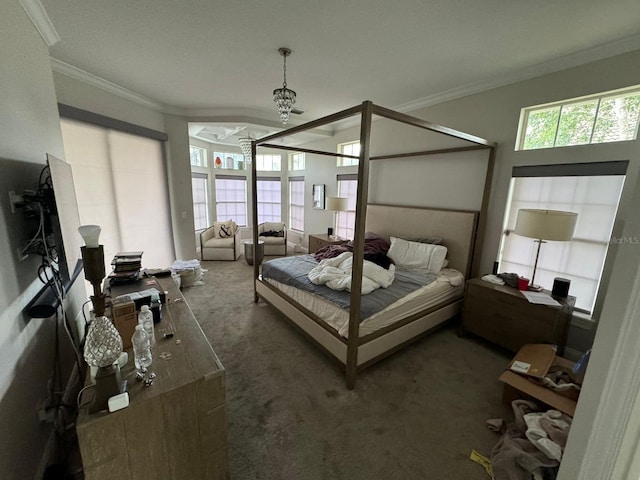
[592,191]
[121,185]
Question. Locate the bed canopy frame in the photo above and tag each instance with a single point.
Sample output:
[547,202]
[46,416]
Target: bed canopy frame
[366,111]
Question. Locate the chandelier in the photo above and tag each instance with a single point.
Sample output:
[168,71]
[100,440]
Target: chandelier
[245,146]
[284,97]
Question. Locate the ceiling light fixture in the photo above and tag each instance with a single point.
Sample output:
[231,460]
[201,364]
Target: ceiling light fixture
[245,146]
[284,97]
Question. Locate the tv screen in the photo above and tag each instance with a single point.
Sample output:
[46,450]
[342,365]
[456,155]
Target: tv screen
[56,194]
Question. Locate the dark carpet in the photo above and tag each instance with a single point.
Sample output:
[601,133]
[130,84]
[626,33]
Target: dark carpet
[417,414]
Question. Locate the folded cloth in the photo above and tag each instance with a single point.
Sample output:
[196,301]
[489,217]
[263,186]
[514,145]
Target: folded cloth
[556,424]
[539,438]
[493,279]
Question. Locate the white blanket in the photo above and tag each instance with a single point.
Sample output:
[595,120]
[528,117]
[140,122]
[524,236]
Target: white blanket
[335,273]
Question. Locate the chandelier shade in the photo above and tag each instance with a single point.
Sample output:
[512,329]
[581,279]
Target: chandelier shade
[245,146]
[284,97]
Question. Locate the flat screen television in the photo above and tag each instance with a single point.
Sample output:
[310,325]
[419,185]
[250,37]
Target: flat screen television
[57,194]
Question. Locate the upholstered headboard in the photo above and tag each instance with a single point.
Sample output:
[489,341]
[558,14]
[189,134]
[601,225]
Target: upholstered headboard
[457,228]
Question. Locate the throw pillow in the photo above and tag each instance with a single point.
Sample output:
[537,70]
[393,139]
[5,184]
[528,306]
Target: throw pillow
[224,229]
[417,255]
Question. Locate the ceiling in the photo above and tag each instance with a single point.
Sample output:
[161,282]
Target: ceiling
[219,59]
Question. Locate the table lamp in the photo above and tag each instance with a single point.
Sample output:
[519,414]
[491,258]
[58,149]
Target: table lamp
[93,262]
[543,226]
[102,350]
[336,204]
[104,344]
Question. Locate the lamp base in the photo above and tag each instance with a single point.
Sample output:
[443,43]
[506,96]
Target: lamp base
[534,288]
[108,384]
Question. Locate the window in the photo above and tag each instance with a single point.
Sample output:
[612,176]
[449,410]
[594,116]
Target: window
[198,156]
[229,161]
[593,196]
[200,204]
[269,199]
[350,148]
[120,181]
[346,221]
[603,118]
[268,163]
[296,203]
[296,161]
[231,199]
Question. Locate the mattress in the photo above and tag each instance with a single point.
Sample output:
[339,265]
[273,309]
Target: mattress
[448,287]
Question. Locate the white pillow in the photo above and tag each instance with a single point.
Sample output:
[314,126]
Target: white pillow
[417,255]
[224,229]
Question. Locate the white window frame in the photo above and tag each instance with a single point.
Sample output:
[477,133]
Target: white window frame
[348,148]
[296,161]
[269,162]
[200,222]
[525,114]
[198,156]
[593,196]
[296,204]
[229,161]
[274,204]
[346,221]
[238,199]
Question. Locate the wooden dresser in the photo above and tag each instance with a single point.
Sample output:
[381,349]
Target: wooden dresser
[177,427]
[503,316]
[319,240]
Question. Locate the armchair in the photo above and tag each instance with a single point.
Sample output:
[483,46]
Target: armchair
[274,236]
[220,242]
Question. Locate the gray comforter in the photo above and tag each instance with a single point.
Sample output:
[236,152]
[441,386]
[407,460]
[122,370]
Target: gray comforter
[294,271]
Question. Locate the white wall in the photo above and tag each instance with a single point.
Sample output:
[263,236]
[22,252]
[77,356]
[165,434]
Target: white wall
[29,129]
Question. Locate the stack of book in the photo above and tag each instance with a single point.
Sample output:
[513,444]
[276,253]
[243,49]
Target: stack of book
[126,267]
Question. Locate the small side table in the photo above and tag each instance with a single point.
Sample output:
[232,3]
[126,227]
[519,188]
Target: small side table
[249,251]
[319,240]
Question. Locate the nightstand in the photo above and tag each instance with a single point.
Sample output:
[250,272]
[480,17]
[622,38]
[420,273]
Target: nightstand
[319,240]
[503,316]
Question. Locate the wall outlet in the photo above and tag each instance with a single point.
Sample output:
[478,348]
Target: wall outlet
[15,200]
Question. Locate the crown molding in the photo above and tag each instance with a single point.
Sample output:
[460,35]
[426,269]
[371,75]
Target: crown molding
[582,57]
[41,21]
[74,72]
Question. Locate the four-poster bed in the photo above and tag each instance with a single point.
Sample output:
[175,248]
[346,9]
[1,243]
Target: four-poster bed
[356,344]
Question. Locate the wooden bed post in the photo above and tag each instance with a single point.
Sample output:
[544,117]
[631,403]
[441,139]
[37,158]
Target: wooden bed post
[254,216]
[358,247]
[484,212]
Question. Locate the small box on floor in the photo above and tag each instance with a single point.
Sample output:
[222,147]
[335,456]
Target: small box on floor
[533,374]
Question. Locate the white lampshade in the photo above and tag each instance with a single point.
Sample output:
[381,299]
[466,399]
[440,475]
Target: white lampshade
[90,234]
[336,204]
[546,224]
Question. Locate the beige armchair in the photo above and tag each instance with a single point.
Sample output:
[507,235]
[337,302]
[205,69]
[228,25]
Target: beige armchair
[220,242]
[274,236]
